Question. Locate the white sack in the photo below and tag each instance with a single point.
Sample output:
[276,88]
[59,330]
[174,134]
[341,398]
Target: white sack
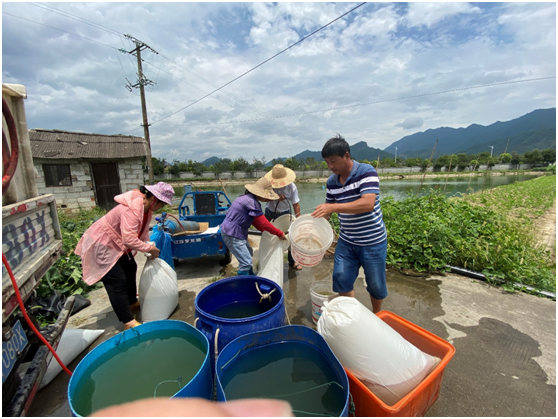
[272,249]
[158,290]
[72,343]
[376,354]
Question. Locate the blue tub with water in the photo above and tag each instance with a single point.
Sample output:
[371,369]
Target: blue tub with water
[291,363]
[231,307]
[164,358]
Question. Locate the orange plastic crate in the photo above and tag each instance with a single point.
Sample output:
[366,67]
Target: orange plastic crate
[423,396]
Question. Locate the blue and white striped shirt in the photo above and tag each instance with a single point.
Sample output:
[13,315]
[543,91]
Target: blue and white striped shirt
[362,229]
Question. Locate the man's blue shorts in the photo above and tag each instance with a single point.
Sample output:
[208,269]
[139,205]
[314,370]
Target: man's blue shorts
[348,260]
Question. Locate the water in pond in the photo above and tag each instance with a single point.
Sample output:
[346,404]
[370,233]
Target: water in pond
[241,309]
[312,194]
[134,369]
[290,371]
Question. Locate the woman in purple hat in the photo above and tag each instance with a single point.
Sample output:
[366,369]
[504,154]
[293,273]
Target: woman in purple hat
[108,247]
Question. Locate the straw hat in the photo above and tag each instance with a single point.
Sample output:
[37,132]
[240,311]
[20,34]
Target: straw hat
[280,176]
[262,188]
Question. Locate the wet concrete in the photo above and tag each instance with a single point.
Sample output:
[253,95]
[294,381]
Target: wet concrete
[505,361]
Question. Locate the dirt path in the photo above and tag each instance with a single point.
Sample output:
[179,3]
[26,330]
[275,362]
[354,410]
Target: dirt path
[546,229]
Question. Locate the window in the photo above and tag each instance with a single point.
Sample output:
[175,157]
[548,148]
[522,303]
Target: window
[57,175]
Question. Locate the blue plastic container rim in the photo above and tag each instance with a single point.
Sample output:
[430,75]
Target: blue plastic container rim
[292,333]
[233,279]
[110,343]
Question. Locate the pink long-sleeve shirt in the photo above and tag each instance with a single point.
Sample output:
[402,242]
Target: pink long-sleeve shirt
[112,235]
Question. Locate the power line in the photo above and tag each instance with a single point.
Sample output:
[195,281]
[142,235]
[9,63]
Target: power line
[62,30]
[75,17]
[381,101]
[259,65]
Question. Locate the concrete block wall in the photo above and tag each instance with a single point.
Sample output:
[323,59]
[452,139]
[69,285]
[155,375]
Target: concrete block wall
[81,194]
[131,174]
[73,198]
[327,173]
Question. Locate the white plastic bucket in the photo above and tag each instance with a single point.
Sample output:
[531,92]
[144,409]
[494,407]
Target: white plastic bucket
[319,292]
[310,238]
[283,222]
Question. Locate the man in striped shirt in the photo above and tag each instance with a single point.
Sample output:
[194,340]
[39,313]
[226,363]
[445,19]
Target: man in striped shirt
[353,192]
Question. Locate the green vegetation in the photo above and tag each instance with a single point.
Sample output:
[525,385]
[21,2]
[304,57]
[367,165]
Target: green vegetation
[491,232]
[66,274]
[461,161]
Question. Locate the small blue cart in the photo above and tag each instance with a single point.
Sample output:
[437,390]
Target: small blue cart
[209,207]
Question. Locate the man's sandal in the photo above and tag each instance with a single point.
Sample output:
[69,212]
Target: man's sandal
[296,266]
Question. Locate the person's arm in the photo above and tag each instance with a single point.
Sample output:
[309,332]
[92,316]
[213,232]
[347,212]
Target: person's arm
[262,224]
[296,208]
[129,226]
[364,204]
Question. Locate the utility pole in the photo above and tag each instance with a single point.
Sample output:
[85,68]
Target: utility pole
[395,155]
[491,150]
[142,82]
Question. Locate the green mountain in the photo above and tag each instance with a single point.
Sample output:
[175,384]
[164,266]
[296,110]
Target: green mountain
[536,125]
[210,161]
[359,151]
[527,141]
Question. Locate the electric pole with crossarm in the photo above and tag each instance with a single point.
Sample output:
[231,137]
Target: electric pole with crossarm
[142,81]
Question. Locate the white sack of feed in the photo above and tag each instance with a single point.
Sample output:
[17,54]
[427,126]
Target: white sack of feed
[272,249]
[72,343]
[158,290]
[377,355]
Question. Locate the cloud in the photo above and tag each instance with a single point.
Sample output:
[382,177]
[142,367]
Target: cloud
[413,122]
[369,76]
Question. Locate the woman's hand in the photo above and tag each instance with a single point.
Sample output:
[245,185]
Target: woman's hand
[154,252]
[283,236]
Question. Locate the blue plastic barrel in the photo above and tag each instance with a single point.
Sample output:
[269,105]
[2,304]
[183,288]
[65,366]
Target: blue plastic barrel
[201,385]
[225,292]
[250,343]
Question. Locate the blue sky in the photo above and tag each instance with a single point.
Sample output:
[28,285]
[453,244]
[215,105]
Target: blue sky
[367,64]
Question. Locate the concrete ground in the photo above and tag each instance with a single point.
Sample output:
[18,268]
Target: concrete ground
[505,360]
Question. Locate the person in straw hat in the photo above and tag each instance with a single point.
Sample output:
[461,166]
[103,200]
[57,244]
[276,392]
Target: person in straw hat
[245,211]
[282,180]
[108,247]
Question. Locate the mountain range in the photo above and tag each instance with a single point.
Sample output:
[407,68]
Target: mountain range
[536,129]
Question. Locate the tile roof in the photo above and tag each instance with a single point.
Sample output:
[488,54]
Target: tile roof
[56,144]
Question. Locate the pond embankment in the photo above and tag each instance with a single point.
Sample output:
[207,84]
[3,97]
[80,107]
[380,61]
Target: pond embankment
[200,183]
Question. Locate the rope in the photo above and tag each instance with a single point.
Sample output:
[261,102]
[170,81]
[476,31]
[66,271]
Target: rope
[133,329]
[196,321]
[264,296]
[179,380]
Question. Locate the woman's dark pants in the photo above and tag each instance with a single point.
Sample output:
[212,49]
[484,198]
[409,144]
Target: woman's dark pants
[120,283]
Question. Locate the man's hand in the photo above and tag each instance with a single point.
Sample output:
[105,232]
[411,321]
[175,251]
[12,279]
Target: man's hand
[283,236]
[323,210]
[281,197]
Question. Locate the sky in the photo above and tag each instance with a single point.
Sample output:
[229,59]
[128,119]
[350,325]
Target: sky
[380,73]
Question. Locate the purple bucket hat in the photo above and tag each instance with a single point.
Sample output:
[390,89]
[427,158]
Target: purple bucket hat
[162,191]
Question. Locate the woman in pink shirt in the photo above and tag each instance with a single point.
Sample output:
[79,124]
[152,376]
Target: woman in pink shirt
[108,247]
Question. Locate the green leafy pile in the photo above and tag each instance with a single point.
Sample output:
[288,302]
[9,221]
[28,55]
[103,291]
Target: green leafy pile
[66,274]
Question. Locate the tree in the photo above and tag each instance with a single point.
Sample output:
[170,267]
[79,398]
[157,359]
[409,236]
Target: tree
[505,157]
[549,156]
[258,164]
[175,168]
[220,166]
[533,157]
[240,165]
[293,163]
[463,161]
[516,158]
[198,168]
[158,166]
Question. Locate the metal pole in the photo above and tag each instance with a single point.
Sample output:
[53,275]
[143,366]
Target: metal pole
[144,112]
